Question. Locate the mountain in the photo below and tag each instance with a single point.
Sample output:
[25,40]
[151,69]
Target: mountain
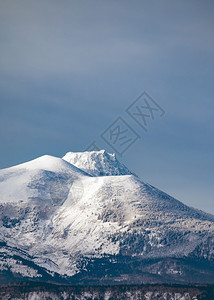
[86,219]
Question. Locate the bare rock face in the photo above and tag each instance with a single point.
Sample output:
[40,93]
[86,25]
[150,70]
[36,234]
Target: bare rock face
[87,219]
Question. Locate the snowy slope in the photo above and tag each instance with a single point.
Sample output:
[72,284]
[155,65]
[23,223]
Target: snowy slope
[71,223]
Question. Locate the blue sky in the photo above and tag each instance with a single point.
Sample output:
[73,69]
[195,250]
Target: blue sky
[68,69]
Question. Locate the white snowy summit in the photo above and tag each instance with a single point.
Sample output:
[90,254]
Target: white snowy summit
[85,218]
[97,163]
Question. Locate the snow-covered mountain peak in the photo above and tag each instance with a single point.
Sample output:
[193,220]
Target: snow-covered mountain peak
[45,178]
[97,163]
[46,163]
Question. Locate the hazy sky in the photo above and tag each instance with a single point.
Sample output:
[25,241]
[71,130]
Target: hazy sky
[68,69]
